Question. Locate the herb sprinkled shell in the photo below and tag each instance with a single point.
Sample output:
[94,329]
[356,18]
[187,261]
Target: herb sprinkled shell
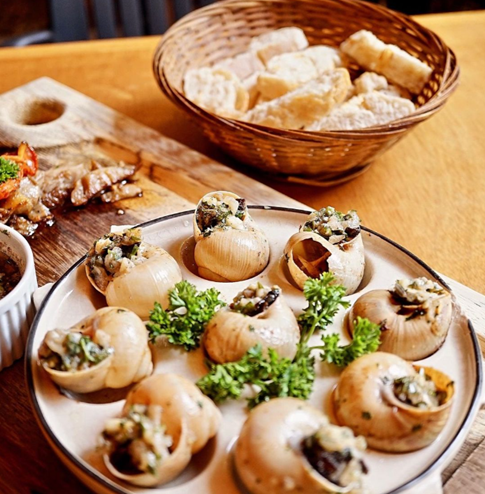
[308,254]
[130,361]
[364,401]
[268,455]
[409,331]
[230,254]
[143,284]
[229,334]
[190,419]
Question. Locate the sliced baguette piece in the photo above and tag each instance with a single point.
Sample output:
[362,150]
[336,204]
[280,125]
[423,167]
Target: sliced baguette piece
[285,73]
[395,64]
[272,43]
[323,57]
[305,104]
[244,65]
[216,90]
[364,110]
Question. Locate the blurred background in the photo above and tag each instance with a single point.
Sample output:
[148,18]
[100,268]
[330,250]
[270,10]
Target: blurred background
[24,22]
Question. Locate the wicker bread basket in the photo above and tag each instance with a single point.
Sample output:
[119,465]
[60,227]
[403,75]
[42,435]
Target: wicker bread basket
[225,28]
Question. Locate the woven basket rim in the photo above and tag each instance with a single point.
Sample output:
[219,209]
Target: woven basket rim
[448,84]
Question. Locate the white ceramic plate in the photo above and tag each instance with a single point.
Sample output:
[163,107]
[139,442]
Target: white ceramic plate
[72,425]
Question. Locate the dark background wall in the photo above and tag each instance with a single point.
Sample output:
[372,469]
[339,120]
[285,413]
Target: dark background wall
[23,16]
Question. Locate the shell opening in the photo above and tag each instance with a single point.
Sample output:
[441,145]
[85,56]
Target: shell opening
[311,257]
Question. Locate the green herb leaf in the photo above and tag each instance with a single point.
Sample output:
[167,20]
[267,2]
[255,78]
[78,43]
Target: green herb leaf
[8,169]
[185,319]
[366,339]
[274,377]
[324,301]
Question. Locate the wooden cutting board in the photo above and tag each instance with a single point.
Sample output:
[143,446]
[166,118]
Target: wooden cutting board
[58,121]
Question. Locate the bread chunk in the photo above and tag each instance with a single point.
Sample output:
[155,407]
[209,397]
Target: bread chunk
[323,57]
[364,110]
[305,104]
[273,43]
[243,65]
[284,73]
[395,64]
[216,90]
[370,81]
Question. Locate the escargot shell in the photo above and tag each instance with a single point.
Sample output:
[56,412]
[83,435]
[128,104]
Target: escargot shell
[364,401]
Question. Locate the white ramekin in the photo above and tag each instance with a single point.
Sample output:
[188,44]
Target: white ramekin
[16,309]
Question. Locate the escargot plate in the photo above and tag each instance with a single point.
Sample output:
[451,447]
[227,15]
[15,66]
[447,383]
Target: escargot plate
[72,425]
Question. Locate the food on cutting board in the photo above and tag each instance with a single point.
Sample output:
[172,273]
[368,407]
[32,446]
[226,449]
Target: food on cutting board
[287,445]
[412,408]
[108,349]
[329,241]
[281,82]
[130,272]
[27,194]
[165,420]
[10,274]
[229,244]
[414,316]
[257,315]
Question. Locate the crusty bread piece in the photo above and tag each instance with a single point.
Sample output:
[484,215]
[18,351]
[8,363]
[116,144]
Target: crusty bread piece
[284,73]
[397,65]
[323,57]
[243,65]
[251,86]
[273,43]
[216,90]
[305,104]
[364,110]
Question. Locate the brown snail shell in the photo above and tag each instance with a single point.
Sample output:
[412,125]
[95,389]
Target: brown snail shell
[308,255]
[190,418]
[364,401]
[268,455]
[412,337]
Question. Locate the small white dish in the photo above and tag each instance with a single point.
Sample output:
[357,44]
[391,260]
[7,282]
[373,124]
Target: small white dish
[16,308]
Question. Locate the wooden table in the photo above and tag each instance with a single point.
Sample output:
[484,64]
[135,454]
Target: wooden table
[426,193]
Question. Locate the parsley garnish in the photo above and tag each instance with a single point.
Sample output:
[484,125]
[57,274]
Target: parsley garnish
[187,314]
[366,339]
[8,169]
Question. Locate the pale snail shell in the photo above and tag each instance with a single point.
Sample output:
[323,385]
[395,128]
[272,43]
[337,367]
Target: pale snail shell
[268,458]
[363,402]
[308,254]
[144,284]
[130,361]
[229,334]
[230,254]
[190,418]
[412,338]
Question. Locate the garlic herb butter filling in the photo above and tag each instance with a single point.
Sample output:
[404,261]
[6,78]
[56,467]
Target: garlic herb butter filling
[334,226]
[114,254]
[418,391]
[72,352]
[137,443]
[220,211]
[418,290]
[255,299]
[336,454]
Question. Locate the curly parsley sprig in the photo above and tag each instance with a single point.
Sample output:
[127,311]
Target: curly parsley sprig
[8,170]
[187,314]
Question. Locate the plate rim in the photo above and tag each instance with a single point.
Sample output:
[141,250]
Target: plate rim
[106,484]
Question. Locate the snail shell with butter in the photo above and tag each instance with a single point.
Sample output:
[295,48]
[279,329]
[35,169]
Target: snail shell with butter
[190,420]
[414,317]
[270,458]
[327,241]
[366,400]
[229,245]
[130,272]
[119,352]
[265,319]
